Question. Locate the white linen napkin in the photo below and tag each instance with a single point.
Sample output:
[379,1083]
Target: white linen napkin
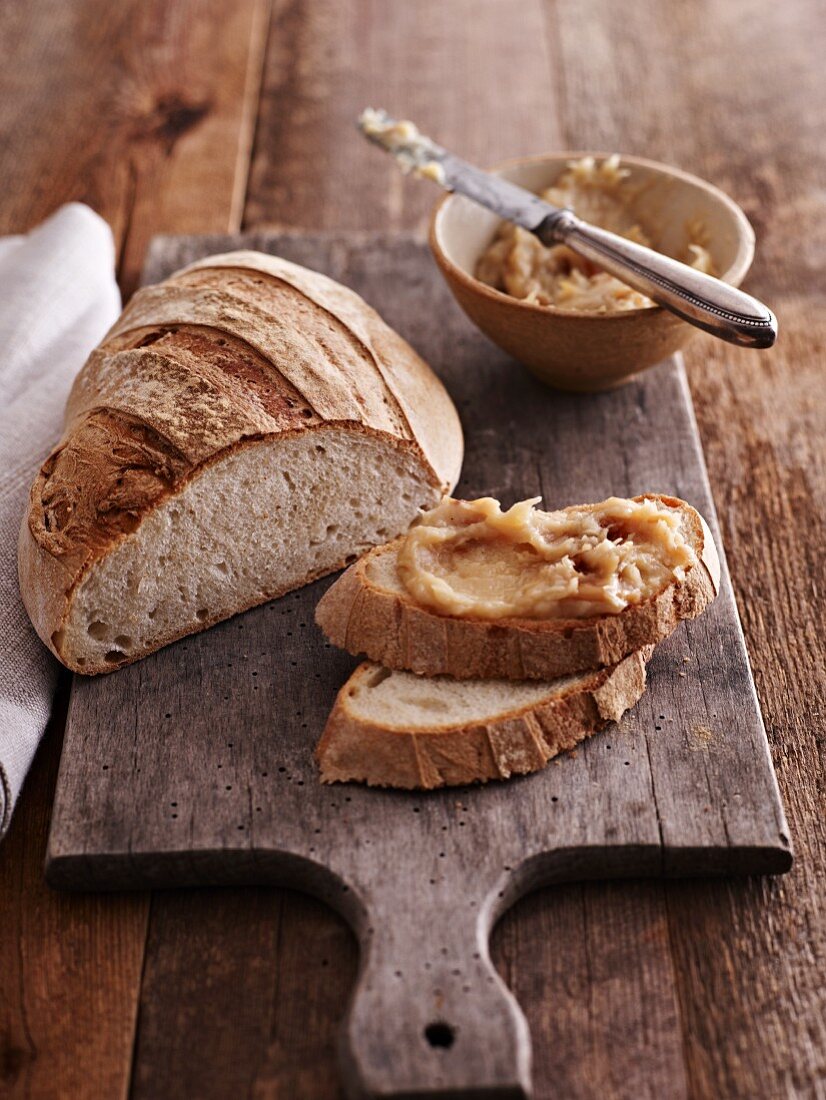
[58,296]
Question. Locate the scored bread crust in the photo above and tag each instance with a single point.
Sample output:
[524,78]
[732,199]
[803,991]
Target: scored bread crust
[389,627]
[231,352]
[512,741]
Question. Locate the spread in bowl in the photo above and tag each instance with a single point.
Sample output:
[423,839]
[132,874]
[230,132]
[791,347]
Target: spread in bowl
[517,263]
[470,559]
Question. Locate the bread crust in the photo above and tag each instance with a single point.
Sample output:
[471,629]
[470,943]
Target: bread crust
[220,356]
[513,742]
[389,628]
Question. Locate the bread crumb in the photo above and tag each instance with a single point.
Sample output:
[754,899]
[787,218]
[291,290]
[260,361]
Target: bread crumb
[682,674]
[701,737]
[686,660]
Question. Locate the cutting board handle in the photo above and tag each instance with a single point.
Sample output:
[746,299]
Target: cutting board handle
[430,1016]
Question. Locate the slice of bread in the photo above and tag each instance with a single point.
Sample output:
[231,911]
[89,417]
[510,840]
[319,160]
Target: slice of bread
[396,729]
[369,611]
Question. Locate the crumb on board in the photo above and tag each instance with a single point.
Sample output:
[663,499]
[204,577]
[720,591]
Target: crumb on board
[701,737]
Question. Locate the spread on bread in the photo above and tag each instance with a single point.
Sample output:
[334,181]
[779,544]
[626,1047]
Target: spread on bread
[498,639]
[520,265]
[471,559]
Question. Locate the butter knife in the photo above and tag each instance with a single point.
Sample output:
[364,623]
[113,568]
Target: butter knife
[700,299]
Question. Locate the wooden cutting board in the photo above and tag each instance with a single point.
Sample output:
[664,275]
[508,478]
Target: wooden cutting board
[195,765]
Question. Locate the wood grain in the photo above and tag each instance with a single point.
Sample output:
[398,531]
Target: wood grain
[211,737]
[697,87]
[434,62]
[306,171]
[605,1020]
[145,111]
[750,120]
[734,92]
[272,1012]
[70,968]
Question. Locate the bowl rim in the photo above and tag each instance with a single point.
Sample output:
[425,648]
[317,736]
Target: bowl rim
[734,274]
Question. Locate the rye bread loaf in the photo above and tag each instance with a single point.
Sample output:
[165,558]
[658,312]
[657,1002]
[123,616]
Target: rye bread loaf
[245,427]
[368,611]
[396,729]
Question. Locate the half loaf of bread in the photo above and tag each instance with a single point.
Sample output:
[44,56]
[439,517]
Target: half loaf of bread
[245,427]
[396,729]
[369,611]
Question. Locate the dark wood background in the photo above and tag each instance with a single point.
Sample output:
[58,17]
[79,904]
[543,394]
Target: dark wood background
[202,116]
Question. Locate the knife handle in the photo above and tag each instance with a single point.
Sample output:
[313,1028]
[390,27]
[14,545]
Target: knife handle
[704,301]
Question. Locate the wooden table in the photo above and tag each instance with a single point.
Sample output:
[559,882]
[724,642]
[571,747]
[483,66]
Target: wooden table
[199,115]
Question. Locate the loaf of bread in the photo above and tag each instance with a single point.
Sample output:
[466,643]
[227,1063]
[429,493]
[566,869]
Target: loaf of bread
[369,611]
[396,729]
[245,427]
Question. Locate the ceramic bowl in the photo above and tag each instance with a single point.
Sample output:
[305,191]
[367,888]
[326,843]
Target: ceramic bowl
[573,349]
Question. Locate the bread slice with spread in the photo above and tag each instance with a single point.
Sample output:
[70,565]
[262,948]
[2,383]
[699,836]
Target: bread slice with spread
[396,729]
[475,592]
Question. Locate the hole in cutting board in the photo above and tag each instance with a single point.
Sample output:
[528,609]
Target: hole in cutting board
[440,1034]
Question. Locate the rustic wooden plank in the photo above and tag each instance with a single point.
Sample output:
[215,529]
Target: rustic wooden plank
[319,74]
[640,84]
[443,64]
[69,966]
[219,802]
[768,433]
[269,1008]
[657,80]
[145,111]
[714,100]
[417,60]
[605,1018]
